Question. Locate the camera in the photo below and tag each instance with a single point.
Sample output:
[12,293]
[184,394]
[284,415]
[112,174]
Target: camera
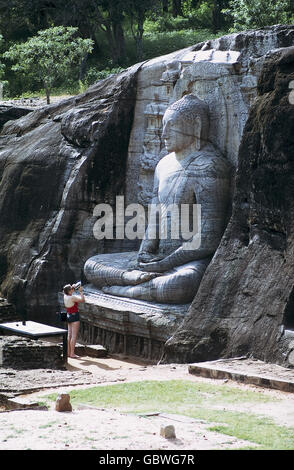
[77,285]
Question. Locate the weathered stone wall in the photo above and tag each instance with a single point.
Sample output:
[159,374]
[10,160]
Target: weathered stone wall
[117,343]
[245,301]
[23,353]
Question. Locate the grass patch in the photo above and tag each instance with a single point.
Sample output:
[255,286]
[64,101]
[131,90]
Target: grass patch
[48,425]
[194,400]
[149,395]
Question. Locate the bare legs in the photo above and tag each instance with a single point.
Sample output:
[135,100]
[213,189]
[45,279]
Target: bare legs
[73,329]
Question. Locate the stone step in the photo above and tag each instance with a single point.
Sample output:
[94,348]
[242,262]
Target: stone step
[24,404]
[289,333]
[92,350]
[95,350]
[247,371]
[10,402]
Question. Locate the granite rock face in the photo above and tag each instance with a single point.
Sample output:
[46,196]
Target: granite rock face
[56,164]
[10,113]
[245,301]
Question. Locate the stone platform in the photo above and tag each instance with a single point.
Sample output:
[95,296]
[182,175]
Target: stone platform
[24,353]
[247,371]
[127,326]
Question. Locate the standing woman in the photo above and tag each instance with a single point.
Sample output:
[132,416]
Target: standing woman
[73,318]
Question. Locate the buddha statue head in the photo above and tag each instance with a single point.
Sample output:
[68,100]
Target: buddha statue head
[186,122]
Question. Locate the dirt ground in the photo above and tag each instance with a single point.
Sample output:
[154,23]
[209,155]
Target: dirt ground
[90,428]
[34,102]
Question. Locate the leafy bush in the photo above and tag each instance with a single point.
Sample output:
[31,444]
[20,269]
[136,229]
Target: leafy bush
[202,16]
[166,42]
[253,14]
[49,55]
[166,23]
[94,74]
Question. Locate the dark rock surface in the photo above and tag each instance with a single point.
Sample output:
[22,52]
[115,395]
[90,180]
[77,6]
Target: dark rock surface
[56,164]
[10,113]
[246,297]
[7,312]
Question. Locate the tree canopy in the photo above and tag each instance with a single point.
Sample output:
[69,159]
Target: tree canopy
[124,31]
[259,13]
[50,54]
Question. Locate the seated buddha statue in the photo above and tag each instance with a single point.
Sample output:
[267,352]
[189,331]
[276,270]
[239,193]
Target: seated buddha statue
[169,269]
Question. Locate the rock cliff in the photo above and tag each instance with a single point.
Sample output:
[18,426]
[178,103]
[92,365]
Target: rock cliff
[58,162]
[245,302]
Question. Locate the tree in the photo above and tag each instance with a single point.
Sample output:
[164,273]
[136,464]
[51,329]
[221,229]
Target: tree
[50,55]
[177,8]
[164,4]
[20,19]
[218,6]
[2,66]
[208,14]
[136,11]
[108,16]
[248,14]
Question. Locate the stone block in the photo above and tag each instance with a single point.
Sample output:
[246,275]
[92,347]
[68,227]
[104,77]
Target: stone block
[63,402]
[95,350]
[23,353]
[168,432]
[80,349]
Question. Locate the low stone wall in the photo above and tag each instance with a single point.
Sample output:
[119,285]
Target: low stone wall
[119,343]
[23,353]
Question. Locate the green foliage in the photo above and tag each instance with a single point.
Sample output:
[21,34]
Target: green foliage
[123,32]
[248,14]
[2,66]
[157,44]
[166,23]
[50,55]
[200,16]
[93,74]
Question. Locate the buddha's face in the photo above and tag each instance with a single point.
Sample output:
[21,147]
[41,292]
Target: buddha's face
[177,133]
